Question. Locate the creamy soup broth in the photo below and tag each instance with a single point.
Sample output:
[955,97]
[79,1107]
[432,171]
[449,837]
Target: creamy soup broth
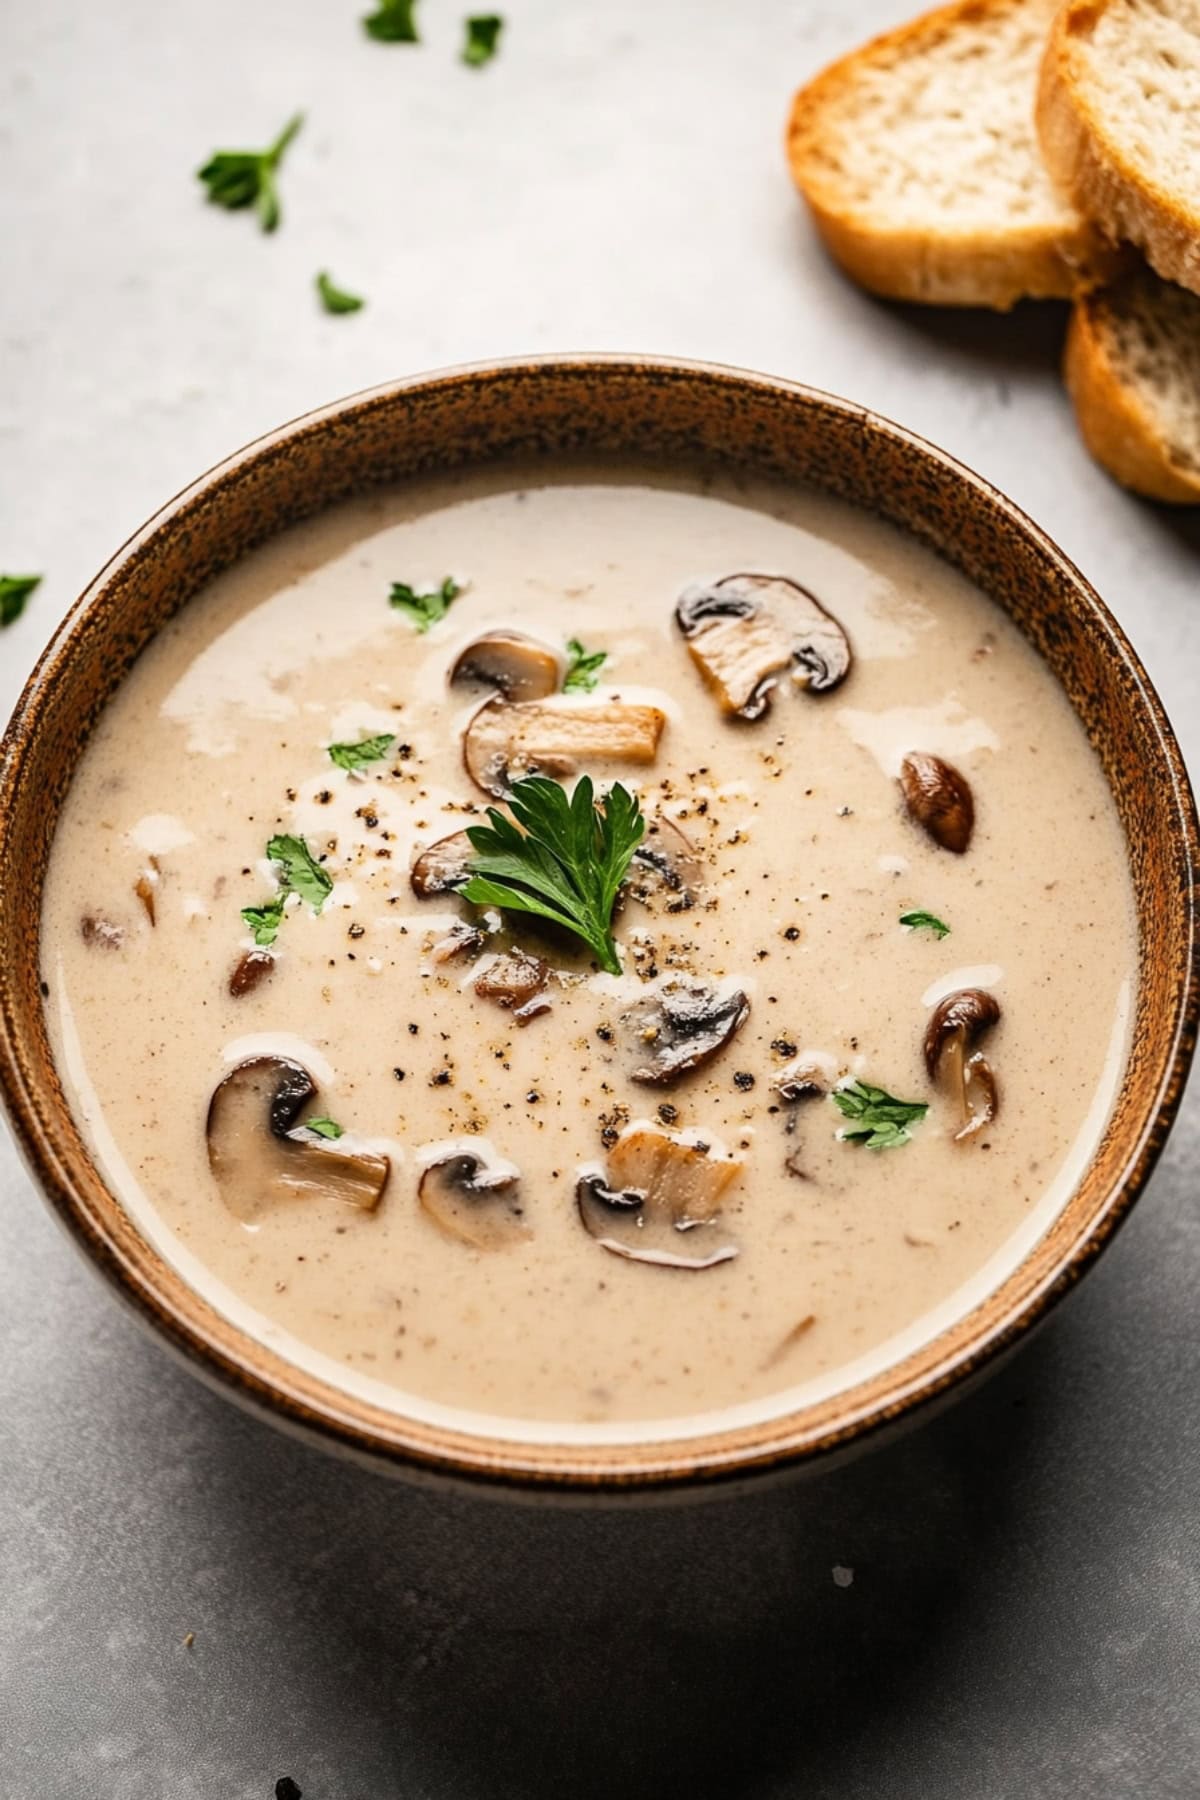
[807,859]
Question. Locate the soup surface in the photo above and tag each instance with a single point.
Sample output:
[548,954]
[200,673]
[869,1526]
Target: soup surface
[575,1229]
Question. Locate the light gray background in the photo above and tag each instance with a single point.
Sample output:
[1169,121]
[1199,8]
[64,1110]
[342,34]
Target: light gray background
[1024,1607]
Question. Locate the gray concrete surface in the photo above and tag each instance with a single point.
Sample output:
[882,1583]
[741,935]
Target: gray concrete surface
[1023,1614]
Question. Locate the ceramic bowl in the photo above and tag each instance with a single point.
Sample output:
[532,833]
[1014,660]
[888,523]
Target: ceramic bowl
[656,410]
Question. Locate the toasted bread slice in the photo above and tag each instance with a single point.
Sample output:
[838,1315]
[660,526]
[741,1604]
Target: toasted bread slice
[1133,368]
[1118,116]
[919,160]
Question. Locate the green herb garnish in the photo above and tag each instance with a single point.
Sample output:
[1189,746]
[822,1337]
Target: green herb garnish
[367,750]
[565,865]
[393,23]
[14,592]
[237,178]
[580,677]
[483,38]
[880,1120]
[335,299]
[925,921]
[301,873]
[325,1128]
[424,609]
[264,921]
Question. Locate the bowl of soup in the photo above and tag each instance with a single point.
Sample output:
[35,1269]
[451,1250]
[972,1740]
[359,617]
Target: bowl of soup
[592,923]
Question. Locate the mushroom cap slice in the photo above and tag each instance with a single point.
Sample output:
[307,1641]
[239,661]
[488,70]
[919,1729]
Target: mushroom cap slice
[515,665]
[513,980]
[745,630]
[250,971]
[473,1203]
[938,796]
[259,1159]
[957,1023]
[682,1026]
[660,1201]
[504,742]
[441,867]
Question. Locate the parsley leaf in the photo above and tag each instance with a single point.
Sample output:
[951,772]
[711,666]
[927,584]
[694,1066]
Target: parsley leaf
[264,921]
[483,38]
[325,1128]
[335,299]
[14,592]
[880,1120]
[925,921]
[394,23]
[367,750]
[424,609]
[580,677]
[566,865]
[302,874]
[237,178]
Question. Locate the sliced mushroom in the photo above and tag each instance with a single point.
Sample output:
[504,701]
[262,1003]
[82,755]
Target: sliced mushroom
[665,859]
[250,972]
[513,981]
[800,1080]
[504,742]
[682,1026]
[441,867]
[954,1028]
[939,798]
[101,934]
[260,1157]
[744,631]
[473,1203]
[461,940]
[516,666]
[659,1201]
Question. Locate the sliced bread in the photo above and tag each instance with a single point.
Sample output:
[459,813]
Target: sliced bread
[1118,115]
[1133,368]
[918,158]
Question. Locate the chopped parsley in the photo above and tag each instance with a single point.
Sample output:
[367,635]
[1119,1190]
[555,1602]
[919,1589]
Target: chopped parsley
[237,178]
[482,39]
[14,592]
[880,1121]
[565,864]
[424,609]
[367,750]
[325,1128]
[925,921]
[335,299]
[264,921]
[582,664]
[393,22]
[301,873]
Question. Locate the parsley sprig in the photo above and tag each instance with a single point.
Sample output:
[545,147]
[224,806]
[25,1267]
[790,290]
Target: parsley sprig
[335,299]
[367,750]
[424,609]
[299,873]
[14,592]
[582,664]
[237,178]
[880,1120]
[925,921]
[393,23]
[482,39]
[564,864]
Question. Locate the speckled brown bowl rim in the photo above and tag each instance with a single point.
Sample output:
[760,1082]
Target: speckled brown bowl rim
[290,1396]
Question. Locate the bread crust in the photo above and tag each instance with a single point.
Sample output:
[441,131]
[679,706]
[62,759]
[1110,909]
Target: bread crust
[1088,161]
[935,267]
[1115,424]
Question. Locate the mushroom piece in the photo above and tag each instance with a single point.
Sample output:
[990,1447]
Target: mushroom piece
[100,934]
[473,1203]
[744,631]
[682,1026]
[939,798]
[667,860]
[659,1201]
[503,742]
[250,972]
[145,888]
[515,982]
[260,1156]
[956,1024]
[516,666]
[441,867]
[797,1081]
